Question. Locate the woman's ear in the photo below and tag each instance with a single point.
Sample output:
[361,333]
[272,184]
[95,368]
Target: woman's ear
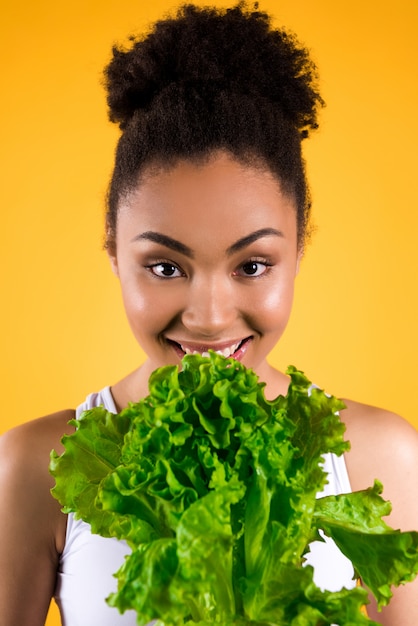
[113,262]
[110,247]
[299,259]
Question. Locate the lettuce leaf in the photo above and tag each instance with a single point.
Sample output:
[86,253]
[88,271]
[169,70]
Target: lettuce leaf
[382,556]
[215,489]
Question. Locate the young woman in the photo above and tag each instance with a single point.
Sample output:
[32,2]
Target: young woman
[208,212]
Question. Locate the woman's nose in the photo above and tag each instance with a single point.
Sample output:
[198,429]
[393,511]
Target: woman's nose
[210,308]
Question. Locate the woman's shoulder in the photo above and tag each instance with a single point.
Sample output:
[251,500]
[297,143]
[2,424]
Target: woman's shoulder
[25,481]
[32,525]
[28,442]
[384,446]
[361,419]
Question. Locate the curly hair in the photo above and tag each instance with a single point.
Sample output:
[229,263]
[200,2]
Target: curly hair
[212,79]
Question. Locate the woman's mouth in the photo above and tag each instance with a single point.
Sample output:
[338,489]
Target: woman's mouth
[235,349]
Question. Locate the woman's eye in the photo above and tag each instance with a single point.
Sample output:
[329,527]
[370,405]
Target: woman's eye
[252,268]
[165,270]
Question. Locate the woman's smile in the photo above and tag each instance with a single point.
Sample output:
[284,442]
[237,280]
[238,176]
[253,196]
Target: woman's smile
[207,256]
[235,349]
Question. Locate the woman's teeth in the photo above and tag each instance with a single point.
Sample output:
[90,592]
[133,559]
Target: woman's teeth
[226,352]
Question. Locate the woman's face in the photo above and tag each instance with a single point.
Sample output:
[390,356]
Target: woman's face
[207,255]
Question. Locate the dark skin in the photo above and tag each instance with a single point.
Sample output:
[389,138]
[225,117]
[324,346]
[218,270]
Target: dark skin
[28,510]
[383,446]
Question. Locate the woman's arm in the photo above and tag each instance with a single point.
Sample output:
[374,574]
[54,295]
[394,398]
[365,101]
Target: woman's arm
[32,527]
[384,446]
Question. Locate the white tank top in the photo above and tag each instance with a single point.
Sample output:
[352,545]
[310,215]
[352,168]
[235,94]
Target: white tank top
[88,562]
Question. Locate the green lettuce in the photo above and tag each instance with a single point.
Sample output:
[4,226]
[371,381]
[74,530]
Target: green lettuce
[215,490]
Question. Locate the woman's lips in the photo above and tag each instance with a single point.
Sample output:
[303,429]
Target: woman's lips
[235,349]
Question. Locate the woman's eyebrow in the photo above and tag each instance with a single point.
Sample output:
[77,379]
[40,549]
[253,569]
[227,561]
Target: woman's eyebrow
[248,239]
[176,245]
[166,241]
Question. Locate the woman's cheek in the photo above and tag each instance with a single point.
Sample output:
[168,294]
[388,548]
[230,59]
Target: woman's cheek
[274,306]
[138,303]
[149,308]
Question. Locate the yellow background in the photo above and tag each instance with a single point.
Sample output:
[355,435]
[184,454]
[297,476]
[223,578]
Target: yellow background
[63,332]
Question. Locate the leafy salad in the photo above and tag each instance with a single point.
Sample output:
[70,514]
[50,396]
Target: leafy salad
[215,490]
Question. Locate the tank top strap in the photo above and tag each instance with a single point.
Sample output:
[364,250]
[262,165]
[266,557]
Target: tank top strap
[99,398]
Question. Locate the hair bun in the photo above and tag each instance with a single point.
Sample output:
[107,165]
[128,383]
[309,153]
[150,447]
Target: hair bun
[208,49]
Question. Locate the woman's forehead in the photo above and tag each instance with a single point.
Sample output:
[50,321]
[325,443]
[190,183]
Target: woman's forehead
[221,180]
[220,198]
